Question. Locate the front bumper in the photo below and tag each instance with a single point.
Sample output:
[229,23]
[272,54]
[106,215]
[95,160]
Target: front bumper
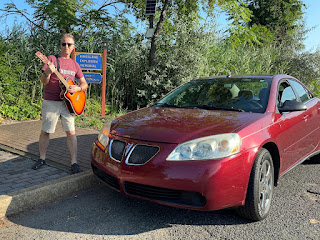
[201,185]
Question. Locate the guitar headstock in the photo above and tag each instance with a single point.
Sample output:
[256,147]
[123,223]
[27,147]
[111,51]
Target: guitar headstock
[42,57]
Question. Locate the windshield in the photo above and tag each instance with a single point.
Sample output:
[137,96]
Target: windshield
[230,94]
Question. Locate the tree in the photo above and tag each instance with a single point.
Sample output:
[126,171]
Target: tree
[279,16]
[169,12]
[65,16]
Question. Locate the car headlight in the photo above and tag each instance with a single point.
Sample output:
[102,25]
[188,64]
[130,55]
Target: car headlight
[206,148]
[103,137]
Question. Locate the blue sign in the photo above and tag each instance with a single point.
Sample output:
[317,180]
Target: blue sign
[89,61]
[93,77]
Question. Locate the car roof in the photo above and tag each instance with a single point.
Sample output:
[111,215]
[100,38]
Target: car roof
[277,76]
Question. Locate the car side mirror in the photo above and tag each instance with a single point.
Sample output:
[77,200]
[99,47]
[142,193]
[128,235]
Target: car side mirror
[292,106]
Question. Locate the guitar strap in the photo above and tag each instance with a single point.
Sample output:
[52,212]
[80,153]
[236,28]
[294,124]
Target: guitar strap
[58,69]
[58,66]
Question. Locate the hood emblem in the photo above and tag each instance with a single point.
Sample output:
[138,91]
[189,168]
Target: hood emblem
[128,148]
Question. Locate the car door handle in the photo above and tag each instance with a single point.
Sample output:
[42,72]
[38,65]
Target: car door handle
[305,117]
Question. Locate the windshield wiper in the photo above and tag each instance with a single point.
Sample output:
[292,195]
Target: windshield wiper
[211,107]
[230,109]
[166,105]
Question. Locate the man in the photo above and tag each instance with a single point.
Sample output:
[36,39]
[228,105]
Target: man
[53,107]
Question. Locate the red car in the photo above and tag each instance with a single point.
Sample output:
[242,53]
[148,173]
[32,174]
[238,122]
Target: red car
[212,143]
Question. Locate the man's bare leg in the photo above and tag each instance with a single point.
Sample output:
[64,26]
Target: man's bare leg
[43,144]
[72,145]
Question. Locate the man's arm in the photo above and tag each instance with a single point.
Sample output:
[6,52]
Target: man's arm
[47,73]
[83,84]
[78,88]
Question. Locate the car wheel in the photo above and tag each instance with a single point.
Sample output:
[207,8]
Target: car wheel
[260,188]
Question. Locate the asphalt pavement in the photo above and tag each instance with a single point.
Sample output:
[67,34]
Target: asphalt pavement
[101,213]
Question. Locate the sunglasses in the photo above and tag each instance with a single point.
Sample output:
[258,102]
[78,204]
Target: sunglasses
[69,44]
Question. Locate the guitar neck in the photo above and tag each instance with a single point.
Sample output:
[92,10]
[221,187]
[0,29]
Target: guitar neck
[65,83]
[45,60]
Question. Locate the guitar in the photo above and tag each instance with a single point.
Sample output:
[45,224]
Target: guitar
[75,101]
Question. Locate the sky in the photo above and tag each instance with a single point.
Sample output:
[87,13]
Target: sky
[311,17]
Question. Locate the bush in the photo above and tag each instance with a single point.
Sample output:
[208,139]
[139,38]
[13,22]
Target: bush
[22,110]
[91,117]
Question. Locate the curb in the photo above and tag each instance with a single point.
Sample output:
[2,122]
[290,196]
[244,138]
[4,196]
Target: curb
[19,201]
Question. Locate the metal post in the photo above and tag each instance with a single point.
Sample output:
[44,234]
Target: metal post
[104,77]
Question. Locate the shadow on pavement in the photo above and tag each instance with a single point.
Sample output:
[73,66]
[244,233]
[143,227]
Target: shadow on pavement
[111,213]
[58,151]
[313,160]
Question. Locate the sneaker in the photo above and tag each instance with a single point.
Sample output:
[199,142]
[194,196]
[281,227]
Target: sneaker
[75,168]
[38,164]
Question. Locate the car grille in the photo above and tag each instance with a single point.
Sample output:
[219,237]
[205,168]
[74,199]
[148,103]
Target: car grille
[116,149]
[106,178]
[141,154]
[165,195]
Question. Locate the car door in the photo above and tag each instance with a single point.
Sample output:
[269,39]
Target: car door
[311,116]
[291,139]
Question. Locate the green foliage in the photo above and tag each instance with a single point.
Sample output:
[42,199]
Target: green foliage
[61,15]
[91,117]
[280,16]
[306,67]
[226,59]
[316,87]
[15,103]
[21,111]
[93,108]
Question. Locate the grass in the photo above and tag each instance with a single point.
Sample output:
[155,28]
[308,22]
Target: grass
[94,123]
[91,117]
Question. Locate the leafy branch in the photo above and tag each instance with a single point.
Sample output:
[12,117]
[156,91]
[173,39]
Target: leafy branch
[12,9]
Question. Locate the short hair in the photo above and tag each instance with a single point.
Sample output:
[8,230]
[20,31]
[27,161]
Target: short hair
[67,35]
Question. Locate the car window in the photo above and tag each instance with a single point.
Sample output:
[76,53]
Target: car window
[301,91]
[242,94]
[285,93]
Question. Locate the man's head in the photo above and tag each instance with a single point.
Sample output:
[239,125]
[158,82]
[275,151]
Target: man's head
[67,45]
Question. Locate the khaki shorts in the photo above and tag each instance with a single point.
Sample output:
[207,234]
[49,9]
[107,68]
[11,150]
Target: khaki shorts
[51,111]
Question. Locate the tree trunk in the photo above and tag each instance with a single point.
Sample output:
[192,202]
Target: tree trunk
[156,34]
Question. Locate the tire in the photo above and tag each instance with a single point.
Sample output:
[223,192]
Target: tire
[260,188]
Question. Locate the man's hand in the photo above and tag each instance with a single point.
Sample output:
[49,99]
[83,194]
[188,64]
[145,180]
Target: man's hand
[50,69]
[74,88]
[47,73]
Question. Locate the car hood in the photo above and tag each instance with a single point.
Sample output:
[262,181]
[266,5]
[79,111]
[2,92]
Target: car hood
[177,125]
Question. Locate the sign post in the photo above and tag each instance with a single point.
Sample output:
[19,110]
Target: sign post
[104,73]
